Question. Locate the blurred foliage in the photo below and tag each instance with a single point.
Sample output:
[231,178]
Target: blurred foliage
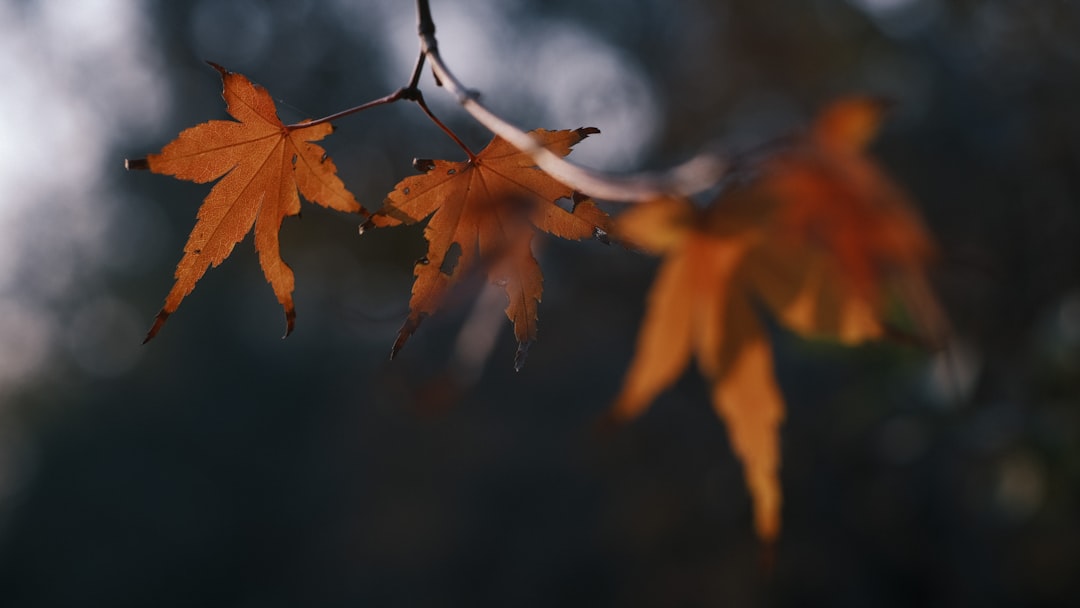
[222,466]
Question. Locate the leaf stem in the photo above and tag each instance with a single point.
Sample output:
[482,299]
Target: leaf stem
[695,175]
[410,92]
[418,97]
[391,98]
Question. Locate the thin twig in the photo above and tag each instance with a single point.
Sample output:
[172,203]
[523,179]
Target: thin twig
[417,71]
[696,175]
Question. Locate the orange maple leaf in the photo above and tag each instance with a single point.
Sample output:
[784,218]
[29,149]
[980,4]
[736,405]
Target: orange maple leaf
[816,239]
[488,207]
[264,163]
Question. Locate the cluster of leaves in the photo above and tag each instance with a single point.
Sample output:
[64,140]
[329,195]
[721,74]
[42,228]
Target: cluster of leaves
[813,235]
[818,237]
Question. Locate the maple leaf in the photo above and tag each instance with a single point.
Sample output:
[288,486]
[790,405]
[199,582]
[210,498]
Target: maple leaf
[262,164]
[487,210]
[815,239]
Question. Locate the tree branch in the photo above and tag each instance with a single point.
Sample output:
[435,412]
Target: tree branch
[696,175]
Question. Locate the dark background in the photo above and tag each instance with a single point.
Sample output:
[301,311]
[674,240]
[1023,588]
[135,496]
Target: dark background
[222,466]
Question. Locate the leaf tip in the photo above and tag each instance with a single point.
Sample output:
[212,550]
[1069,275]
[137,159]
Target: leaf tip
[407,330]
[399,343]
[136,164]
[290,322]
[850,123]
[521,354]
[218,67]
[159,321]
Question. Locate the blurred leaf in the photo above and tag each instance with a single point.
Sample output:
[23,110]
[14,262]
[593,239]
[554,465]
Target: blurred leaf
[813,238]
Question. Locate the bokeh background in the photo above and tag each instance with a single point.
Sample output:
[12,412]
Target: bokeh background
[222,466]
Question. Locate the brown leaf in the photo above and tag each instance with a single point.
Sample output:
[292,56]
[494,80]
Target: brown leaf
[489,208]
[817,238]
[262,164]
